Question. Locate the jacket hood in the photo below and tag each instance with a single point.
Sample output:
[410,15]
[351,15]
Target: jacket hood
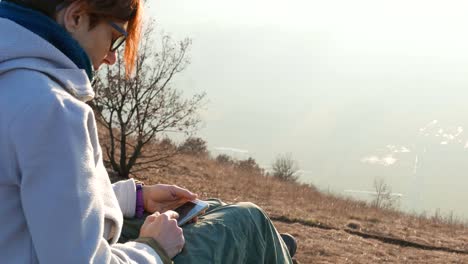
[22,49]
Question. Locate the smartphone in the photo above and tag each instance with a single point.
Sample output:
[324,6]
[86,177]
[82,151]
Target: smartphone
[189,210]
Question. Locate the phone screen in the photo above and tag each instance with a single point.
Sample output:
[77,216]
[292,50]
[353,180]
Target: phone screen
[184,209]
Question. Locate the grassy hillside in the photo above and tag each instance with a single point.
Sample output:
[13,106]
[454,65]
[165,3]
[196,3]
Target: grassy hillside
[329,229]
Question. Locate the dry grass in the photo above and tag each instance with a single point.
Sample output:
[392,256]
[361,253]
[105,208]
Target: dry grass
[307,209]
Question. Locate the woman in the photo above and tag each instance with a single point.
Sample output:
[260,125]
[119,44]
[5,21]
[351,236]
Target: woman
[58,205]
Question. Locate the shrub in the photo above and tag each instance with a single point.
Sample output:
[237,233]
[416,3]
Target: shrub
[167,143]
[193,146]
[224,159]
[250,165]
[285,168]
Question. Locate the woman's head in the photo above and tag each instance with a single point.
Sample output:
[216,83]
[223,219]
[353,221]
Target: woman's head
[96,24]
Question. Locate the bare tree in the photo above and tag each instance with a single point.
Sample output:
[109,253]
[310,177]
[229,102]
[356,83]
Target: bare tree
[285,168]
[140,110]
[383,194]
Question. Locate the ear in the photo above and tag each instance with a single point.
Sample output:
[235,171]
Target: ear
[75,17]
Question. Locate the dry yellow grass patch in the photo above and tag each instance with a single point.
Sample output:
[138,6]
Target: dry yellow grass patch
[308,205]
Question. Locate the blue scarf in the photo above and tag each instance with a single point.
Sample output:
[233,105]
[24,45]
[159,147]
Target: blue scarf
[49,30]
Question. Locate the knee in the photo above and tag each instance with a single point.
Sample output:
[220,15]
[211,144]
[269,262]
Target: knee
[250,207]
[253,217]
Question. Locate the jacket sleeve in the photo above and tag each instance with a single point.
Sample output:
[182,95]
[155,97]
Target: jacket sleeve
[126,195]
[63,195]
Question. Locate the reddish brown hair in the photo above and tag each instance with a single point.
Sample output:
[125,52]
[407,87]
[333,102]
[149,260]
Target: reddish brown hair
[129,11]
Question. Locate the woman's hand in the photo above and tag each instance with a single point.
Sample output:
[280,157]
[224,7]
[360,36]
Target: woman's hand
[164,229]
[163,197]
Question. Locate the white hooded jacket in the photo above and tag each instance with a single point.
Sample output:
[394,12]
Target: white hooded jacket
[57,203]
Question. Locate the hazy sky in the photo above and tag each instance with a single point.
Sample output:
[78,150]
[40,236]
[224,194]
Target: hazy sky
[335,83]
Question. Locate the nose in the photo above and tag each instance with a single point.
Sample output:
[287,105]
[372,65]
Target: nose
[110,58]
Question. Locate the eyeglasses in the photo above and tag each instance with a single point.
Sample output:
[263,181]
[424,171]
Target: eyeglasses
[116,43]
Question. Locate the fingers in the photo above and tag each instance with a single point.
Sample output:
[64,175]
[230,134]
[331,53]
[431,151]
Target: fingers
[171,214]
[152,218]
[178,192]
[165,231]
[195,219]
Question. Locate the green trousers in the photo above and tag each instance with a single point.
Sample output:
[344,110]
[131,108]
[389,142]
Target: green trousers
[235,233]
